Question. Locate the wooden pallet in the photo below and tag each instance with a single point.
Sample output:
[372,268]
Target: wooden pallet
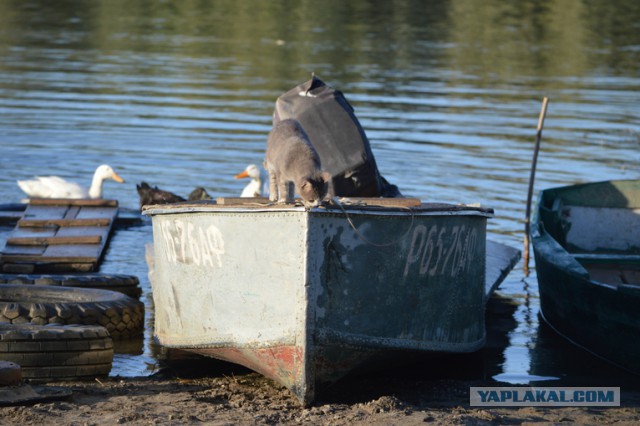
[59,235]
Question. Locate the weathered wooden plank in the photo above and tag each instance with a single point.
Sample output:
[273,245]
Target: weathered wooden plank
[500,261]
[63,222]
[12,212]
[18,268]
[43,212]
[33,259]
[81,253]
[73,231]
[381,202]
[50,268]
[74,216]
[57,240]
[360,201]
[12,250]
[60,268]
[72,212]
[33,232]
[77,253]
[59,236]
[71,202]
[97,212]
[105,213]
[241,200]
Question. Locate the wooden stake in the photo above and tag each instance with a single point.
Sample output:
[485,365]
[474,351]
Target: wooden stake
[543,113]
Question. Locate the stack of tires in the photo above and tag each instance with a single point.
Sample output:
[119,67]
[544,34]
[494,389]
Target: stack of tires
[62,327]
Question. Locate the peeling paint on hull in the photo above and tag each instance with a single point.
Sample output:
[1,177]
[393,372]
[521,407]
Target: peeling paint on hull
[303,297]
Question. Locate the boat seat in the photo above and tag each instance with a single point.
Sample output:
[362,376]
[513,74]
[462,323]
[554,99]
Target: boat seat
[611,268]
[607,257]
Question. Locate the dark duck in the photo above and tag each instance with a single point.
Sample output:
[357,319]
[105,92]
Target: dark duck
[154,195]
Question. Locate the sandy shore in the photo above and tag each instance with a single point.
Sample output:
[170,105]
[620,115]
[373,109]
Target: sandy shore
[237,396]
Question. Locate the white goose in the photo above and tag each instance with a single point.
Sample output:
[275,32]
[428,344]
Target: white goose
[56,187]
[258,187]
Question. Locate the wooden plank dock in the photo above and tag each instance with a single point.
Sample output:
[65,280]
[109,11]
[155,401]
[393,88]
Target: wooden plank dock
[59,235]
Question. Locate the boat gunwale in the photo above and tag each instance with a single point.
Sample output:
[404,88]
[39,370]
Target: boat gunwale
[573,266]
[425,209]
[541,235]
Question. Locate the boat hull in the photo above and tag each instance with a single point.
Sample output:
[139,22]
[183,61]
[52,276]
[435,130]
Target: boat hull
[304,297]
[593,309]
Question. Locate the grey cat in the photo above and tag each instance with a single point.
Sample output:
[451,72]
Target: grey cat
[291,160]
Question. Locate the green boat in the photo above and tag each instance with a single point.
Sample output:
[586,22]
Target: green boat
[586,242]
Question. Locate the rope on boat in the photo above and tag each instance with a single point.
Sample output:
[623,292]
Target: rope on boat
[337,202]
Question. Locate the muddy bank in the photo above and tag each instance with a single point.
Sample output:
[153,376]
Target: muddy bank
[233,395]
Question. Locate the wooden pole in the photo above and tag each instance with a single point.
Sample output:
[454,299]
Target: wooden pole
[543,113]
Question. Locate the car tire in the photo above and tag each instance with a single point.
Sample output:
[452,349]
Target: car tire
[57,352]
[121,315]
[126,284]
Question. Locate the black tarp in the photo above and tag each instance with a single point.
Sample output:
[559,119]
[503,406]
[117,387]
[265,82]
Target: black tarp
[334,131]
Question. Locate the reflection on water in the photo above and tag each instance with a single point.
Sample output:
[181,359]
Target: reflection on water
[180,94]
